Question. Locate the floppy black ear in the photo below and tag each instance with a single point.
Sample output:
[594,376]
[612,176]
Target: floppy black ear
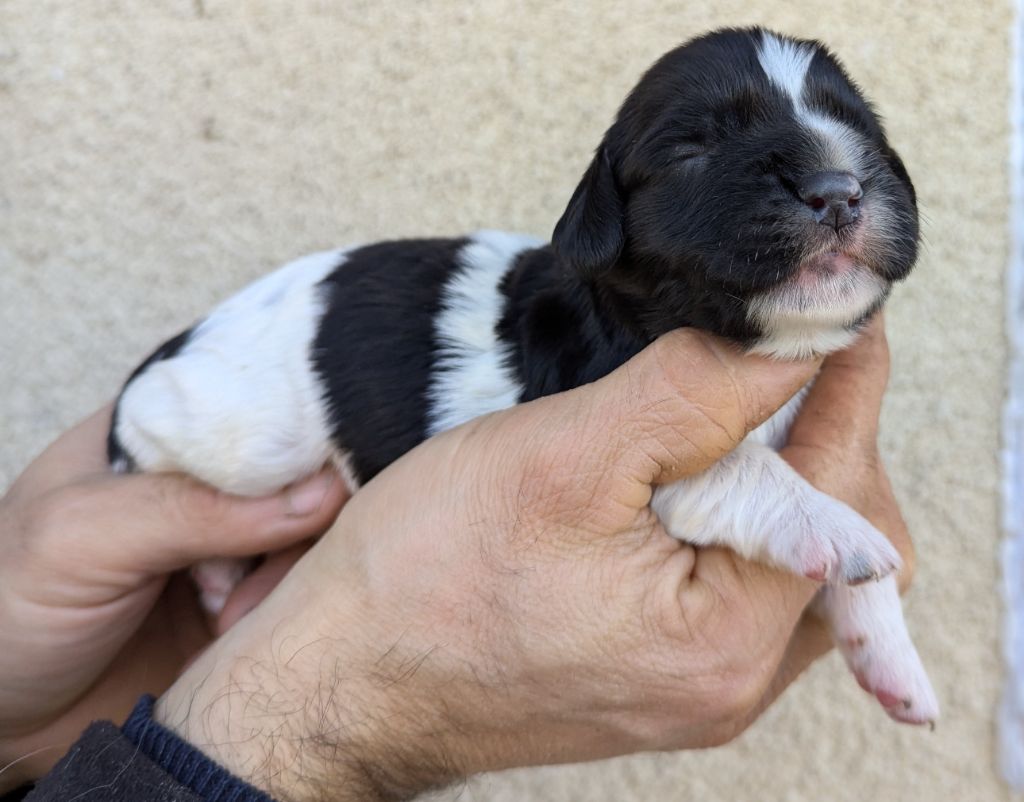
[590,237]
[896,163]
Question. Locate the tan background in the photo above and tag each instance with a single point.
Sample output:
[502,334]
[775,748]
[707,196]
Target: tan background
[155,155]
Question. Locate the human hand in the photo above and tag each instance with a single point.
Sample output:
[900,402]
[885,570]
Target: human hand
[91,615]
[503,596]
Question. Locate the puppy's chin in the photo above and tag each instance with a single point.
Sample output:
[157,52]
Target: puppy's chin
[817,310]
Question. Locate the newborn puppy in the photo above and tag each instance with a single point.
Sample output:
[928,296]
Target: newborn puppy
[746,188]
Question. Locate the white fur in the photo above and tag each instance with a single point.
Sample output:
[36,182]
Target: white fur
[786,64]
[868,628]
[471,373]
[343,464]
[753,502]
[239,406]
[798,321]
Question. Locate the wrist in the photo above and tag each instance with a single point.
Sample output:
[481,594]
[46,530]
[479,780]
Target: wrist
[316,712]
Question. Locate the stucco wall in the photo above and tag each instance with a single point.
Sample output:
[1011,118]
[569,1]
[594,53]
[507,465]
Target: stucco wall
[155,155]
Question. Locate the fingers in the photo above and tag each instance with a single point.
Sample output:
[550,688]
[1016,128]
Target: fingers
[778,598]
[884,512]
[156,523]
[761,617]
[810,641]
[684,402]
[79,452]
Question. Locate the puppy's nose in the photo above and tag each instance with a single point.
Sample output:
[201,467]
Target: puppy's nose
[834,197]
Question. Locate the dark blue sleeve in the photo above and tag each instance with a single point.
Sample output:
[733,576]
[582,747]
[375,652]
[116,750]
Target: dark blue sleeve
[140,761]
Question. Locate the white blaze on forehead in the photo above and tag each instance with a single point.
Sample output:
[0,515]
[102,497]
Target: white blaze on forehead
[786,63]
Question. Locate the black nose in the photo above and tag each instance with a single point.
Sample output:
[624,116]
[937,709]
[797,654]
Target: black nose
[834,198]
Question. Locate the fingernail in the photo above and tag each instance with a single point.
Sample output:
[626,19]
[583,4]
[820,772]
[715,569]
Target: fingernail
[307,497]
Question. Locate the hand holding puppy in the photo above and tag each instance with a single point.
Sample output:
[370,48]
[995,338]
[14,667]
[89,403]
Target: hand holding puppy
[91,614]
[503,595]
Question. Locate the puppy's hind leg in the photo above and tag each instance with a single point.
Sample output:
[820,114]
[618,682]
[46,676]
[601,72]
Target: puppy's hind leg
[868,628]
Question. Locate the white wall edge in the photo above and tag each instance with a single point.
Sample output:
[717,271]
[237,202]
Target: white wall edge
[1011,714]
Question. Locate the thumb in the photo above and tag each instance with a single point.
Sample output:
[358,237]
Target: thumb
[158,523]
[684,402]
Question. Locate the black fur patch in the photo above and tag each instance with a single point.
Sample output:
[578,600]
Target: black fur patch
[559,336]
[374,350]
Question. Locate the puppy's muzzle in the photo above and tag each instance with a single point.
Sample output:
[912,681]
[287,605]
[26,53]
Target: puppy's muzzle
[833,197]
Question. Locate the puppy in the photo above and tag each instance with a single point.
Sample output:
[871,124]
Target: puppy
[746,188]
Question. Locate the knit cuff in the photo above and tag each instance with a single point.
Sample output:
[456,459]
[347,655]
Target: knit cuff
[184,762]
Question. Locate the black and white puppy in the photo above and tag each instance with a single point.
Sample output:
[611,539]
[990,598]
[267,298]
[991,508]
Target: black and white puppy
[746,188]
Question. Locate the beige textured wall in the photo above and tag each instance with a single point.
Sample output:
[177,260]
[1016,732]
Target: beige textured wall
[155,155]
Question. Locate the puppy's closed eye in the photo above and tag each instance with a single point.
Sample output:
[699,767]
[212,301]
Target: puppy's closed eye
[688,151]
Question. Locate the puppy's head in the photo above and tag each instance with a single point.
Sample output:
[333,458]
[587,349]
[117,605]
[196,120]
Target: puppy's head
[747,188]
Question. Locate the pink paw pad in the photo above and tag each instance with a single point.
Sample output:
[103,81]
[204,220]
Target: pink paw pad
[901,706]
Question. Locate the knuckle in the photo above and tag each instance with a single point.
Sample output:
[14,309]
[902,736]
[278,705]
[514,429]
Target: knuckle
[196,505]
[738,664]
[722,733]
[55,511]
[51,518]
[684,621]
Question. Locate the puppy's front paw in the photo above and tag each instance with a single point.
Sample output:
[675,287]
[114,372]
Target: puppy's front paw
[829,542]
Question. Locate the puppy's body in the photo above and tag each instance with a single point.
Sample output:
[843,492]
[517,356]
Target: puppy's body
[746,188]
[329,357]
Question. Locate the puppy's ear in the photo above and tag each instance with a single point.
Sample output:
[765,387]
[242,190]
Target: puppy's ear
[896,163]
[590,236]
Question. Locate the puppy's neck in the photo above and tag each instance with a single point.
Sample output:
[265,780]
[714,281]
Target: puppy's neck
[560,331]
[652,299]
